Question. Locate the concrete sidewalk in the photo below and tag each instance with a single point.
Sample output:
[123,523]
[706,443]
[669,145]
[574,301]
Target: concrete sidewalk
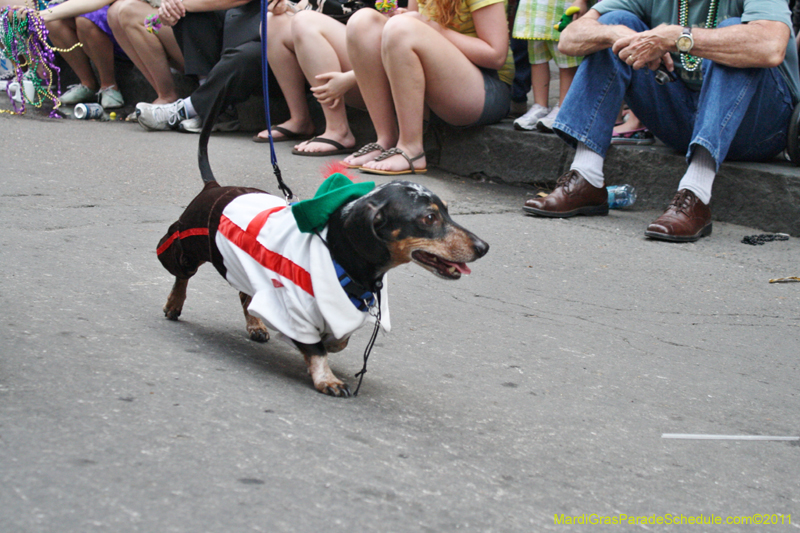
[764,196]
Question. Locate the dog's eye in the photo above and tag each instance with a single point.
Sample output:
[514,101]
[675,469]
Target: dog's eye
[429,219]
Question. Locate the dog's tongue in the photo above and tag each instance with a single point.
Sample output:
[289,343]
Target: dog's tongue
[461,267]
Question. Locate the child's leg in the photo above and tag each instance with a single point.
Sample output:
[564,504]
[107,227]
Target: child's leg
[540,56]
[567,67]
[540,82]
[565,77]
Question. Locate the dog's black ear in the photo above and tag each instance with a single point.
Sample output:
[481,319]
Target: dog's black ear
[362,224]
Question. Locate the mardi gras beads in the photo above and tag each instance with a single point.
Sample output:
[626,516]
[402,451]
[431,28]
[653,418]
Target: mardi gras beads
[24,43]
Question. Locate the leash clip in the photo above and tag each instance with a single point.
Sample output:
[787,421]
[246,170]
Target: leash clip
[287,192]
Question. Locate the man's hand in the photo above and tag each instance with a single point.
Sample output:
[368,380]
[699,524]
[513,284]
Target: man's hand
[647,48]
[586,36]
[171,11]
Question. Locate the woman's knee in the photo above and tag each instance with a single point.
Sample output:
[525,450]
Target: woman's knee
[279,29]
[305,23]
[364,25]
[85,27]
[126,12]
[402,32]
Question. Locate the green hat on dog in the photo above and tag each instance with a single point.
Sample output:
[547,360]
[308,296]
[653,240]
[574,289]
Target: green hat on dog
[312,215]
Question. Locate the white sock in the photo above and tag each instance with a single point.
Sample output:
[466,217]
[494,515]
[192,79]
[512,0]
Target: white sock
[187,105]
[700,175]
[589,164]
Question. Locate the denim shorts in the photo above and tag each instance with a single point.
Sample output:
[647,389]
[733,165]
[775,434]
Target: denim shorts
[496,105]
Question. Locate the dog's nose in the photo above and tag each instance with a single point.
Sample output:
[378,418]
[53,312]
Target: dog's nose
[481,246]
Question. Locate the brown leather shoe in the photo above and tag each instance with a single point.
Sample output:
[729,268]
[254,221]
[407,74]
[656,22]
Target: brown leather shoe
[573,196]
[685,220]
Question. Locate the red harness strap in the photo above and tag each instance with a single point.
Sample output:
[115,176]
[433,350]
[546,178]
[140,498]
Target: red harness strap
[181,235]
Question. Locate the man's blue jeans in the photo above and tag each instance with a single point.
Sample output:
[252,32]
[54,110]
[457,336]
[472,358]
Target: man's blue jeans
[740,113]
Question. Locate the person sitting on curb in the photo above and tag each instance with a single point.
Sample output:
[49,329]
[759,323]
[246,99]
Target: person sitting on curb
[235,76]
[321,49]
[449,58]
[736,64]
[153,53]
[86,22]
[305,45]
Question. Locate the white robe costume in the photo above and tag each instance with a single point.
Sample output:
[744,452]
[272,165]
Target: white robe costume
[289,274]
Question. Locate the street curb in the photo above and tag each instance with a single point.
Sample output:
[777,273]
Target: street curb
[760,195]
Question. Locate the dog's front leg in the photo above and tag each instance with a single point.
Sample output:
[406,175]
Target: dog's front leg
[255,327]
[174,305]
[325,381]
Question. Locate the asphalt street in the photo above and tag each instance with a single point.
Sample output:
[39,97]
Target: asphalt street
[529,396]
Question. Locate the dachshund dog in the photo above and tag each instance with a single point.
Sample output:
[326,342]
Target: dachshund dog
[315,288]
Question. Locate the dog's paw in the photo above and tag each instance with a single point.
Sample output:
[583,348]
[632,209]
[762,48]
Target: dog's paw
[171,313]
[258,334]
[334,388]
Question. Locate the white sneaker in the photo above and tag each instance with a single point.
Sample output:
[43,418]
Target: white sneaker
[110,98]
[161,117]
[545,124]
[528,120]
[78,94]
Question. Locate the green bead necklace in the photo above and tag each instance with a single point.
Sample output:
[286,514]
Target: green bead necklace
[690,62]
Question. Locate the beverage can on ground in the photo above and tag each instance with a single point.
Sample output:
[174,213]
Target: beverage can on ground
[88,111]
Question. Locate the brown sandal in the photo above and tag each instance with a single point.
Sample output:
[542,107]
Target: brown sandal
[396,151]
[364,150]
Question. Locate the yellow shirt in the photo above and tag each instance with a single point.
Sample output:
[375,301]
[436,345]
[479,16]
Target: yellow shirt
[464,25]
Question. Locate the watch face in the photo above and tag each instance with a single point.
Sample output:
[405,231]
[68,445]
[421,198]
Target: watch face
[684,43]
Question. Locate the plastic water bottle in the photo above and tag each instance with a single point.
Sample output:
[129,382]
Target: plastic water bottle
[621,196]
[5,66]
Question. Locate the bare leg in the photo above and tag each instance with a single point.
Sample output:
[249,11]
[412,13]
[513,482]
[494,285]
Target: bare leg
[255,327]
[423,67]
[632,123]
[364,36]
[282,59]
[152,54]
[540,82]
[99,48]
[320,46]
[565,77]
[64,34]
[174,305]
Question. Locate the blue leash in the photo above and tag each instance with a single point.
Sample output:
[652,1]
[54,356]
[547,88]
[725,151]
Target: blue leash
[287,192]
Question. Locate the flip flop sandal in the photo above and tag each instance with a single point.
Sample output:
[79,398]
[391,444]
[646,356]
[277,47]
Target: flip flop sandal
[288,135]
[396,151]
[364,150]
[340,149]
[640,136]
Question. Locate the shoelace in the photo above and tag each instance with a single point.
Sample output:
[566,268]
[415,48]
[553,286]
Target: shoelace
[683,201]
[164,113]
[567,179]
